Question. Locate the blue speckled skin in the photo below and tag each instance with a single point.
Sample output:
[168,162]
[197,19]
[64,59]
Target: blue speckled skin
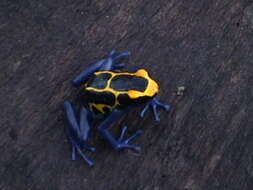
[80,122]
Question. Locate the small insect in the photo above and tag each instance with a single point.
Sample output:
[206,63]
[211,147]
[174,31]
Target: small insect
[109,94]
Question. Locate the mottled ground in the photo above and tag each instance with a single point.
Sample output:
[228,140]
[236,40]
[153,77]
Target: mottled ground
[205,142]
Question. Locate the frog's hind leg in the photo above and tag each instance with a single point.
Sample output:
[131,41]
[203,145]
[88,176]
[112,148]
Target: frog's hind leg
[78,130]
[120,142]
[111,62]
[154,104]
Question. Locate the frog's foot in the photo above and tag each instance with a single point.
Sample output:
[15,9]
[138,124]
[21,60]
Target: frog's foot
[78,148]
[78,131]
[123,143]
[154,104]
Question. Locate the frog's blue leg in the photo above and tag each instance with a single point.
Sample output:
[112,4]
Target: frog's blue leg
[121,142]
[120,57]
[110,62]
[113,60]
[78,130]
[154,104]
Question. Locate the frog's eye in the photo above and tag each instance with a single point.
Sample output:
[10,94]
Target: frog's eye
[142,73]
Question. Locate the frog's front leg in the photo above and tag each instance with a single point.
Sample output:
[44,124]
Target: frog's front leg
[154,104]
[121,142]
[111,62]
[78,130]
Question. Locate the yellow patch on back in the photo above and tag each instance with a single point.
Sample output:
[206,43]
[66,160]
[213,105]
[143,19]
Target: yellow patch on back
[99,107]
[134,94]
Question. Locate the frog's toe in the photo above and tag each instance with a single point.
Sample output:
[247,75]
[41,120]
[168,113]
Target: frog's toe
[167,107]
[112,53]
[128,146]
[91,148]
[143,111]
[89,161]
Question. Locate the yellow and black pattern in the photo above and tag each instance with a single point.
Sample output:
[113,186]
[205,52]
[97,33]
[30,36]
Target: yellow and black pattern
[107,89]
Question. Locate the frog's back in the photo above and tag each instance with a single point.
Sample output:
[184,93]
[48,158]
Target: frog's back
[107,90]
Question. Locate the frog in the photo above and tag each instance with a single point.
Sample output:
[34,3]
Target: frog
[108,94]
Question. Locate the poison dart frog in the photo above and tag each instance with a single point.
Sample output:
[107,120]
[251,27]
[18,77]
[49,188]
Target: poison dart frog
[109,94]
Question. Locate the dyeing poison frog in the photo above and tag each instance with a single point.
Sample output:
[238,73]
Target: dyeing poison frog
[108,95]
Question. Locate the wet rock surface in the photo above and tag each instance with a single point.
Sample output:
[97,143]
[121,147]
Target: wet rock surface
[204,142]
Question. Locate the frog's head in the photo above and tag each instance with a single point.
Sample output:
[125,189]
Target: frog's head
[150,86]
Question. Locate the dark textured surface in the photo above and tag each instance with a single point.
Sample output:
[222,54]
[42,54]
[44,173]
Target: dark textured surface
[205,142]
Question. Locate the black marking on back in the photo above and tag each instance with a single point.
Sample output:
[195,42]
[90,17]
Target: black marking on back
[104,97]
[106,110]
[124,99]
[99,81]
[128,82]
